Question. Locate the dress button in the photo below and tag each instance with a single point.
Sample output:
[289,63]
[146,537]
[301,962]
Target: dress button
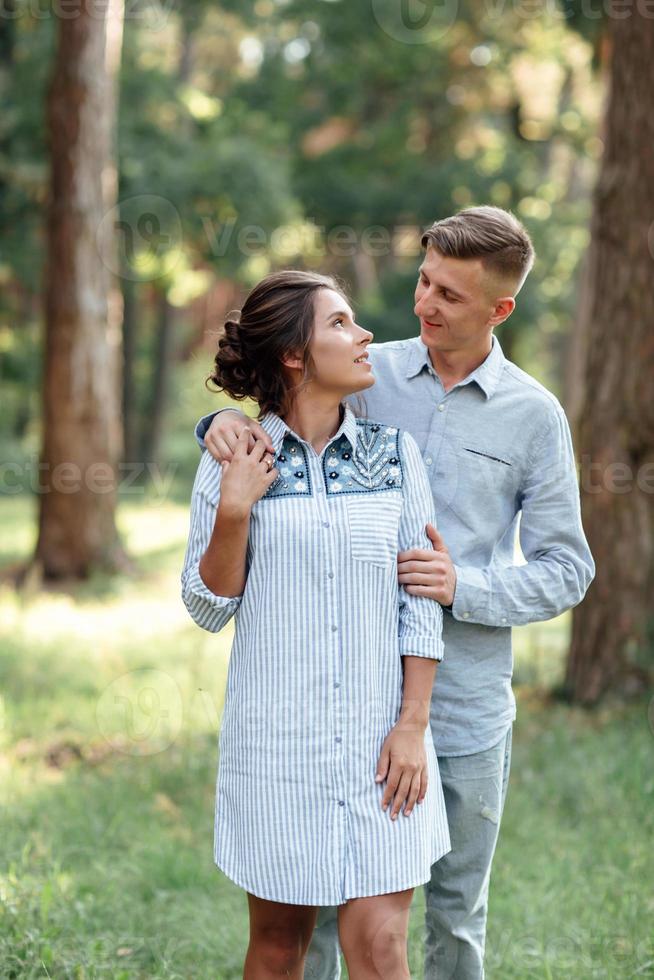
[441,408]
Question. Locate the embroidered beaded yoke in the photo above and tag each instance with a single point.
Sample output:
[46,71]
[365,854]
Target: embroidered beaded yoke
[376,464]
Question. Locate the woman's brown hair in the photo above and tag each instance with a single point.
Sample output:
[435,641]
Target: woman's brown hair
[276,320]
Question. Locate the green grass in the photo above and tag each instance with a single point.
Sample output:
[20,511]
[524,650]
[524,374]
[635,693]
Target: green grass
[109,714]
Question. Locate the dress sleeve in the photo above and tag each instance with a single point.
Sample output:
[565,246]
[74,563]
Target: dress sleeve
[208,610]
[421,618]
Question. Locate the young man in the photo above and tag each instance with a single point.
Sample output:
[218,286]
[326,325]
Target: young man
[498,450]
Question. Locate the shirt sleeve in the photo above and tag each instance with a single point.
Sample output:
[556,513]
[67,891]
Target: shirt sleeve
[208,610]
[559,565]
[421,618]
[202,426]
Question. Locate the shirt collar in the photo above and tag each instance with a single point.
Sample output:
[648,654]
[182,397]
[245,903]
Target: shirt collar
[487,375]
[277,429]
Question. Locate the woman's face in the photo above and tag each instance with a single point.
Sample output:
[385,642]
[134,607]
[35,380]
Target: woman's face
[338,346]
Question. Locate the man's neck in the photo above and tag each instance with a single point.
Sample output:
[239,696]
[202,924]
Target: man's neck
[453,366]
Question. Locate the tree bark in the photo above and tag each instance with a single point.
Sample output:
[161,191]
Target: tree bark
[616,417]
[81,395]
[155,416]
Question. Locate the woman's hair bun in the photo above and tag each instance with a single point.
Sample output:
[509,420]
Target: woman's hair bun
[232,372]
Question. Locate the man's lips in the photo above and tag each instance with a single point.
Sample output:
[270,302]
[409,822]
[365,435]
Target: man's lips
[428,323]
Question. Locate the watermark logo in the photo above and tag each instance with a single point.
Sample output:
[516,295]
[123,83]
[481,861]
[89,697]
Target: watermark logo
[415,21]
[140,712]
[139,238]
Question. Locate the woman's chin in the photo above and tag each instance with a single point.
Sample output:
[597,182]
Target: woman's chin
[363,385]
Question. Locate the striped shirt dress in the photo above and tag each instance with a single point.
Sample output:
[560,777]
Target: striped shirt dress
[315,675]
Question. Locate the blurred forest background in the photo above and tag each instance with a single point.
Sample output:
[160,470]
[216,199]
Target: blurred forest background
[156,159]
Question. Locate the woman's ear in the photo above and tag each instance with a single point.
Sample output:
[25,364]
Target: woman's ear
[292,360]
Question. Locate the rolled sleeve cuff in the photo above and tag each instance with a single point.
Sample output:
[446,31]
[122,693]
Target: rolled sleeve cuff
[210,611]
[470,594]
[421,646]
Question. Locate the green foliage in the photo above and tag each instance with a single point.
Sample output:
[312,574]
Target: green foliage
[262,128]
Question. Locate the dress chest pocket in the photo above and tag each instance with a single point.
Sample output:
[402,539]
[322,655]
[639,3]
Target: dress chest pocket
[374,520]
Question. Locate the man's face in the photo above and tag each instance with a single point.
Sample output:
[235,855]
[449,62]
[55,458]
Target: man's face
[458,303]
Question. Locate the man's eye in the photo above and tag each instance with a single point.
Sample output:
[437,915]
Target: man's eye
[339,321]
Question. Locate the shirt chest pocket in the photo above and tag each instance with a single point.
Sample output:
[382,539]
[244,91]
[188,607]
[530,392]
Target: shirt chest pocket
[374,521]
[485,468]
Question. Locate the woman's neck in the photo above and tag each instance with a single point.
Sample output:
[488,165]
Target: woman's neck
[315,420]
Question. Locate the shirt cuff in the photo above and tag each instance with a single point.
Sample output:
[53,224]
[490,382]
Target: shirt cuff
[470,594]
[421,646]
[194,588]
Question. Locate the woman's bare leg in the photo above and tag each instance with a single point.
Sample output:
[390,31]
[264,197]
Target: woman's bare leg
[373,936]
[279,938]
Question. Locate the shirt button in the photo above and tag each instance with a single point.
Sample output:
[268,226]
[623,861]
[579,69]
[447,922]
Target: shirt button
[441,408]
[465,615]
[334,629]
[429,461]
[341,802]
[330,575]
[503,619]
[325,523]
[338,738]
[337,683]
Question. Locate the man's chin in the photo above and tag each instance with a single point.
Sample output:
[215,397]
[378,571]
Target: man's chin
[433,339]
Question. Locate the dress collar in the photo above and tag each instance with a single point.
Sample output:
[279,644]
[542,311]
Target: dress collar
[277,429]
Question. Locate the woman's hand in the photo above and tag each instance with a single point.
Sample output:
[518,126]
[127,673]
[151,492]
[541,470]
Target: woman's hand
[403,761]
[247,477]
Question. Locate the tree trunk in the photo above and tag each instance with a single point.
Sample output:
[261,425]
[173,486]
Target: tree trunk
[616,417]
[155,416]
[81,409]
[129,403]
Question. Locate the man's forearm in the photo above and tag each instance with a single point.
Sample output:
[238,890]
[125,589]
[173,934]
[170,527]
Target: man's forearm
[223,565]
[419,674]
[520,594]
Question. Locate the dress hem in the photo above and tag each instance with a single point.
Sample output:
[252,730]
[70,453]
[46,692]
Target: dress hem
[330,904]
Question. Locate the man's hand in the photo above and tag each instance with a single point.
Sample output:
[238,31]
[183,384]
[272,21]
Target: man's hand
[428,573]
[222,435]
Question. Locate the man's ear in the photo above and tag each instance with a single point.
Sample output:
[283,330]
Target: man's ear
[504,307]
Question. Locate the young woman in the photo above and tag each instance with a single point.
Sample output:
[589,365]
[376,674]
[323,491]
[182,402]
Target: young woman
[325,746]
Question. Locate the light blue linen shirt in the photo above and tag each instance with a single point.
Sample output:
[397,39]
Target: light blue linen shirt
[499,455]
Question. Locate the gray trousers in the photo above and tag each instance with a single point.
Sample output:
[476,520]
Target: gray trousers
[456,898]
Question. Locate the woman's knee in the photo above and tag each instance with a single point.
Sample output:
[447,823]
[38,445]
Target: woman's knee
[279,948]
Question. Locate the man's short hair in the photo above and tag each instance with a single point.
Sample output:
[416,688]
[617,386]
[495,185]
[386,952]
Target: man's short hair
[491,234]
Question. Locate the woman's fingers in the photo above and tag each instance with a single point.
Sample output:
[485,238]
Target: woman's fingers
[414,793]
[424,782]
[401,793]
[241,448]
